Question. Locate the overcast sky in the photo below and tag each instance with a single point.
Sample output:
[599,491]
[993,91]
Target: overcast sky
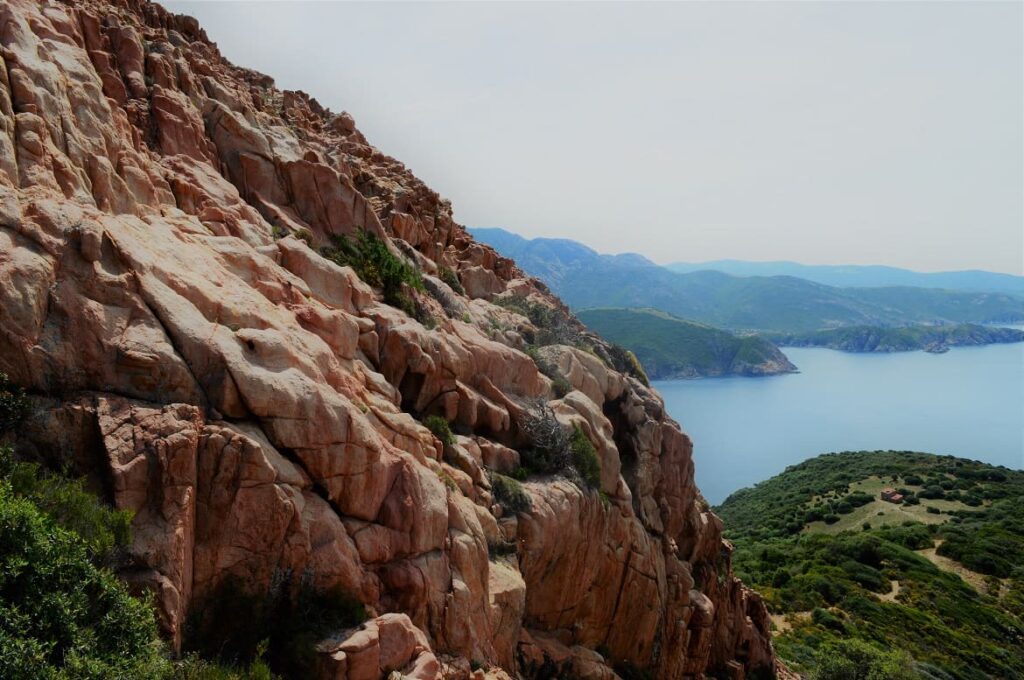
[822,132]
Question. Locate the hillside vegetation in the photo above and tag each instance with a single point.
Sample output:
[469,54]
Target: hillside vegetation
[938,577]
[669,347]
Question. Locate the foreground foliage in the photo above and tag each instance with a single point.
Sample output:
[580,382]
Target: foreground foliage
[874,587]
[102,531]
[14,405]
[61,615]
[64,614]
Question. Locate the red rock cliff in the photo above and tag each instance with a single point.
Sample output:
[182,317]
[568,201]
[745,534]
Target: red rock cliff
[253,402]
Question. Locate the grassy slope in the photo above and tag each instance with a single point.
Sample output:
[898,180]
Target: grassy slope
[887,584]
[671,347]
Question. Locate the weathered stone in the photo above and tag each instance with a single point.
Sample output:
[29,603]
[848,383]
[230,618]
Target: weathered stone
[257,406]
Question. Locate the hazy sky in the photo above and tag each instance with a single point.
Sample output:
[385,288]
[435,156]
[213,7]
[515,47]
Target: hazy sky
[823,132]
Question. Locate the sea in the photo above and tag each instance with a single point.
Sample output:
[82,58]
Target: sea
[968,402]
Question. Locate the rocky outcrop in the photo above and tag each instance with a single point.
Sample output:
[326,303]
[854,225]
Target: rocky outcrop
[257,406]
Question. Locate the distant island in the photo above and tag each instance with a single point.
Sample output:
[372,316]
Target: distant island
[875,339]
[914,552]
[670,347]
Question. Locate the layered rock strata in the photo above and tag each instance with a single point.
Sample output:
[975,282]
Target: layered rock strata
[253,402]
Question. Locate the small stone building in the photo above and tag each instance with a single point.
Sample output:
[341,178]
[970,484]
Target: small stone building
[892,495]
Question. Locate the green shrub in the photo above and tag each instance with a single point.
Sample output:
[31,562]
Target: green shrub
[103,531]
[561,387]
[972,499]
[14,405]
[509,493]
[624,361]
[827,619]
[831,518]
[584,458]
[375,264]
[859,498]
[815,514]
[60,615]
[440,428]
[552,325]
[932,491]
[452,279]
[932,510]
[857,660]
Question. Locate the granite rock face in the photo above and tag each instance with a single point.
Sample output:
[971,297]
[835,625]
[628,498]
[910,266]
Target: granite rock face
[257,406]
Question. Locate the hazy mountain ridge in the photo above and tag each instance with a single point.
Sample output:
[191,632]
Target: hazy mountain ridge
[863,276]
[784,304]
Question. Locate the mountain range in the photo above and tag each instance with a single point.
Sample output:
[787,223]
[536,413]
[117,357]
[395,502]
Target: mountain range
[587,279]
[863,276]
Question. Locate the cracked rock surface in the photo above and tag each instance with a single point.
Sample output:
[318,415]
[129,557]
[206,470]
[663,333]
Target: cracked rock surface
[257,406]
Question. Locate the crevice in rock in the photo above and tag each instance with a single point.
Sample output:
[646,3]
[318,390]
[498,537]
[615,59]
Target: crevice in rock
[207,404]
[618,595]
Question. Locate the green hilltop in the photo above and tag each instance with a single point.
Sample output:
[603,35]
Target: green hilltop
[931,587]
[670,347]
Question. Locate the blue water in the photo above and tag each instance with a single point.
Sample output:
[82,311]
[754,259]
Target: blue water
[967,402]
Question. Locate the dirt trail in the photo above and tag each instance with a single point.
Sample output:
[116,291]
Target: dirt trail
[972,578]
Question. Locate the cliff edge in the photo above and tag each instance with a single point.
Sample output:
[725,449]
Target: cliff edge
[259,406]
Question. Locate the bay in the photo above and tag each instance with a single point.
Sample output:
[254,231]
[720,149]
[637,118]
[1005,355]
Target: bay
[967,402]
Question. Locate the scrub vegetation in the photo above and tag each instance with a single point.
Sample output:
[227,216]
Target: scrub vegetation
[934,594]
